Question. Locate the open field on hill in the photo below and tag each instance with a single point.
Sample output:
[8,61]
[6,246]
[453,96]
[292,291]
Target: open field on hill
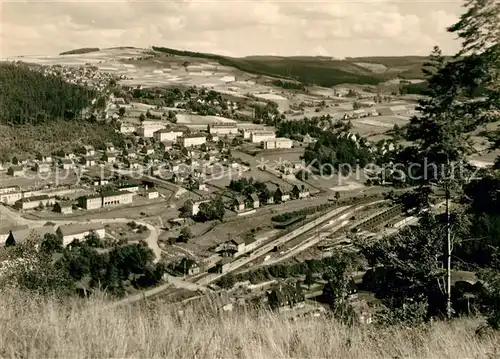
[47,328]
[152,68]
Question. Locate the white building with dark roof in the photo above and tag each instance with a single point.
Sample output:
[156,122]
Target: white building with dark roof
[15,171]
[43,167]
[70,232]
[66,164]
[34,201]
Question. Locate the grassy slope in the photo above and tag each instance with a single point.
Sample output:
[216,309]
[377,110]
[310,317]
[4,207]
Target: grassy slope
[316,70]
[45,328]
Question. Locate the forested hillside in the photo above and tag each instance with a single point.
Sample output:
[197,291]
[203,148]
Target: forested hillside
[83,50]
[46,114]
[30,97]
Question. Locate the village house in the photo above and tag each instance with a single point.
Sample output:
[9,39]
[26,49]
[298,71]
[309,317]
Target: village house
[129,153]
[155,171]
[15,171]
[307,139]
[70,232]
[88,150]
[239,203]
[254,200]
[301,192]
[212,138]
[148,150]
[43,157]
[286,168]
[200,186]
[131,163]
[174,166]
[188,267]
[194,207]
[99,180]
[110,147]
[152,193]
[64,207]
[66,164]
[18,160]
[178,178]
[109,157]
[89,161]
[42,167]
[34,202]
[281,196]
[166,146]
[166,135]
[148,160]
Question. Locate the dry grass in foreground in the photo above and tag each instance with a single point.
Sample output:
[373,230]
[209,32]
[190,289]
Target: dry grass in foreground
[46,328]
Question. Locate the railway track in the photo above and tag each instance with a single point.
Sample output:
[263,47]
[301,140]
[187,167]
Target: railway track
[334,217]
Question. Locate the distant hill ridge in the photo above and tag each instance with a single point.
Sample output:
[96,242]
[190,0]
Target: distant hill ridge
[318,70]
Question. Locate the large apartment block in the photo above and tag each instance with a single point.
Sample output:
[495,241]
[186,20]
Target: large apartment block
[108,199]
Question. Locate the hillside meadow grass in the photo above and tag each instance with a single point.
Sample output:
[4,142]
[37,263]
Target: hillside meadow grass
[36,327]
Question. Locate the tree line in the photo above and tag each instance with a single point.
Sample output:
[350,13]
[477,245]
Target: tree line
[44,265]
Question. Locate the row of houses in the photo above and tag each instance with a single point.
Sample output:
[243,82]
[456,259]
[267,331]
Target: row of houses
[256,134]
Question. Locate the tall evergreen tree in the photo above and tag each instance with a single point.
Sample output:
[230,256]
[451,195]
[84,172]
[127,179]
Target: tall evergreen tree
[10,241]
[453,109]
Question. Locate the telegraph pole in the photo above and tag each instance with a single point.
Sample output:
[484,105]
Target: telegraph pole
[448,254]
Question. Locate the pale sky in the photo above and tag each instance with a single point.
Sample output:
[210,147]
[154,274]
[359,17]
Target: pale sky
[231,27]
